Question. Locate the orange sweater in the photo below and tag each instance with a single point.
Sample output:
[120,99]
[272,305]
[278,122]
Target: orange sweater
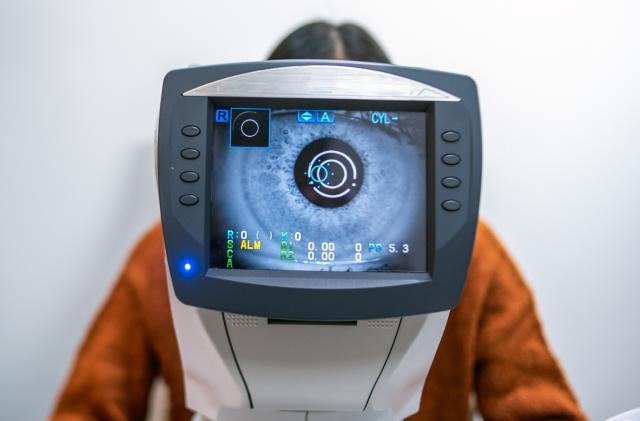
[493,345]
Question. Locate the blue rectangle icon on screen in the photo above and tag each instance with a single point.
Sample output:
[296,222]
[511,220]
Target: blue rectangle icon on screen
[251,128]
[316,116]
[305,116]
[325,116]
[222,115]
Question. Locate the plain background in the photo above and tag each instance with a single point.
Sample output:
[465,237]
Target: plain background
[560,95]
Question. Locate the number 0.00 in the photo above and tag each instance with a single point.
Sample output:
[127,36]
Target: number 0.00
[328,246]
[328,255]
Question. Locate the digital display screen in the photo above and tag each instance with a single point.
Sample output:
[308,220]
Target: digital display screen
[318,190]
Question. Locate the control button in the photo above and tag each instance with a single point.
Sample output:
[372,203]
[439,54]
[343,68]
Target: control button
[451,182]
[449,159]
[188,199]
[192,131]
[451,205]
[450,136]
[191,153]
[189,176]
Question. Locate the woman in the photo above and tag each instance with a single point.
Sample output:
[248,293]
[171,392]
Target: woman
[492,347]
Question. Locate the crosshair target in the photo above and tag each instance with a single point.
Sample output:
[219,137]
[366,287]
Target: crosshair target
[328,172]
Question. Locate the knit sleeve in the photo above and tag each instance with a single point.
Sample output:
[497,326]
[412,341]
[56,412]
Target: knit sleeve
[516,375]
[114,367]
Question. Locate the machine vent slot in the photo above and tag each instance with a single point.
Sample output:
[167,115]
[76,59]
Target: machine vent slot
[382,323]
[313,322]
[240,320]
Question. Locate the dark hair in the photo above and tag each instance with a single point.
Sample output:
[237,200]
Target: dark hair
[322,40]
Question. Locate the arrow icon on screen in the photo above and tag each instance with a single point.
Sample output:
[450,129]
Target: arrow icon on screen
[306,117]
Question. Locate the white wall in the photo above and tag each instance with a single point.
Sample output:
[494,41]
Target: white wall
[80,84]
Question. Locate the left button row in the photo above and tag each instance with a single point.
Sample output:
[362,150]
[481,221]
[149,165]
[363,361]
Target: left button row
[189,176]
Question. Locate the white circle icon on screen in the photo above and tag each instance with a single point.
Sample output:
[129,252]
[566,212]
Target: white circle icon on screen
[249,127]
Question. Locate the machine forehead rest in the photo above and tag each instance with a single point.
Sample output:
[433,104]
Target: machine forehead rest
[323,82]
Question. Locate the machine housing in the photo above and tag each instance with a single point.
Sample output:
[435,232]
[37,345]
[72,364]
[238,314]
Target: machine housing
[299,345]
[189,97]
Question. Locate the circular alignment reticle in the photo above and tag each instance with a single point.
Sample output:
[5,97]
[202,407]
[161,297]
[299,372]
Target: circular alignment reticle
[328,172]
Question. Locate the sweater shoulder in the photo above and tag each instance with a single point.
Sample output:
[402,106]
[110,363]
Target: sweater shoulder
[488,258]
[145,266]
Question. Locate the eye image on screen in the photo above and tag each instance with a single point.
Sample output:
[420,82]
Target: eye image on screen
[319,190]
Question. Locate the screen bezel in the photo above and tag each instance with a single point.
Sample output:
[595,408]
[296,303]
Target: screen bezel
[261,275]
[451,235]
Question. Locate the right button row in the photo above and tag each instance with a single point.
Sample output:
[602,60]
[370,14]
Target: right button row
[451,182]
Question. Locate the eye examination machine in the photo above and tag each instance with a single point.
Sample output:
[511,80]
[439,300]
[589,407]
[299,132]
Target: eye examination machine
[319,220]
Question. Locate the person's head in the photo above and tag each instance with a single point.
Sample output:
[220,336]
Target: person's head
[325,41]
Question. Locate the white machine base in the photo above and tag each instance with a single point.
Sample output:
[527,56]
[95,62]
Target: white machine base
[258,415]
[246,368]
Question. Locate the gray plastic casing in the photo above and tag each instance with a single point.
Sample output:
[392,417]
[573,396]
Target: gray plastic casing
[325,296]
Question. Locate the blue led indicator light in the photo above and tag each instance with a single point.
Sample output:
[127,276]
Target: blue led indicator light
[187,267]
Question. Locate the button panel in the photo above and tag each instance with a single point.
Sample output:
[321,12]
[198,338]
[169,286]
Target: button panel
[190,153]
[451,159]
[189,176]
[452,171]
[451,205]
[189,199]
[450,136]
[191,131]
[451,182]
